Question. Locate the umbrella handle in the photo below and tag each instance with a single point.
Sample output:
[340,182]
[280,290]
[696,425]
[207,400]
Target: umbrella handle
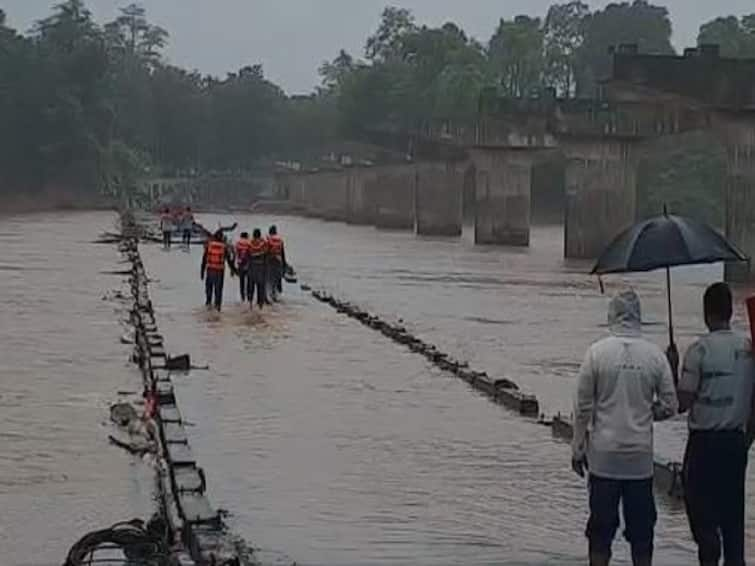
[670,308]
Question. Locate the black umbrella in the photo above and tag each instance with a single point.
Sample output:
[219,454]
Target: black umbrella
[663,242]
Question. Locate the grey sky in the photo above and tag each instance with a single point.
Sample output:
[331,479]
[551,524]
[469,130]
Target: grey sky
[292,37]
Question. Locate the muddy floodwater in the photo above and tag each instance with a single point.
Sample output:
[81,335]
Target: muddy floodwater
[61,365]
[326,443]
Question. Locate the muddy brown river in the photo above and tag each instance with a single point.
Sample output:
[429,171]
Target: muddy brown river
[327,443]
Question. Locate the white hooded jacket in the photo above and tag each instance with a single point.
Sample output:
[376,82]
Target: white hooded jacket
[625,383]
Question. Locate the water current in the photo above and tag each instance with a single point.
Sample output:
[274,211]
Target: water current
[327,443]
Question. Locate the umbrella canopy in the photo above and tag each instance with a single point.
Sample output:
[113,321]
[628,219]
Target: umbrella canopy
[665,241]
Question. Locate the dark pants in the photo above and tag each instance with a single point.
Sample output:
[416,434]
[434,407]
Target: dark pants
[244,282]
[167,236]
[257,283]
[213,286]
[638,504]
[276,277]
[715,465]
[187,237]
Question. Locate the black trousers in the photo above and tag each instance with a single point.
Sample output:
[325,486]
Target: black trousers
[244,283]
[715,464]
[213,287]
[167,236]
[638,503]
[257,282]
[187,237]
[275,271]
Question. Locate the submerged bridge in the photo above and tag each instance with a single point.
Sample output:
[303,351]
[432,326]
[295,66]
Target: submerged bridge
[646,98]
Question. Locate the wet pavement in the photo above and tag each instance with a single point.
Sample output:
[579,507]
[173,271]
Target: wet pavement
[326,442]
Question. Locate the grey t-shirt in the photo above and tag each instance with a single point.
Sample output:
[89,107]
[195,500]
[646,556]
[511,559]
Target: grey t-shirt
[719,370]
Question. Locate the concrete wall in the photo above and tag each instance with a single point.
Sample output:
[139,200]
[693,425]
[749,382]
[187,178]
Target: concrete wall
[392,189]
[361,204]
[601,194]
[504,178]
[439,198]
[739,137]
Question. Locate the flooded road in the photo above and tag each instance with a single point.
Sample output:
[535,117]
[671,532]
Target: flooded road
[331,445]
[327,443]
[61,365]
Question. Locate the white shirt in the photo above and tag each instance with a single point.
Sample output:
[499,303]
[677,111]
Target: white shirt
[625,383]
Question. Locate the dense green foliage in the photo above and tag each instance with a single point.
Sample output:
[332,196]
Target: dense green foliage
[87,106]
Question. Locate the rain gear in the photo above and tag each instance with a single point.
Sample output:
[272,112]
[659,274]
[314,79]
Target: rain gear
[625,383]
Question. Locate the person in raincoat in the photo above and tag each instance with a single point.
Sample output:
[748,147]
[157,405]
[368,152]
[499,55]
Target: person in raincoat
[625,383]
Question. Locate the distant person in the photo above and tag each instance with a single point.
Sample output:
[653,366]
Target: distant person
[258,250]
[625,383]
[187,224]
[216,254]
[243,247]
[166,227]
[277,261]
[716,387]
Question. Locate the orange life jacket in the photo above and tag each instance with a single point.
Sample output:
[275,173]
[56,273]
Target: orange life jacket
[275,245]
[257,249]
[216,255]
[243,248]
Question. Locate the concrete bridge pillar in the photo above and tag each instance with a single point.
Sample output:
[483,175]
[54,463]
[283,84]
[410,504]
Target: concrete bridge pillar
[740,195]
[439,202]
[503,194]
[391,191]
[601,194]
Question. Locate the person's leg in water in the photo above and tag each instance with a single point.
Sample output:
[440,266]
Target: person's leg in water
[219,290]
[605,495]
[244,283]
[640,517]
[701,494]
[732,470]
[209,288]
[255,286]
[261,297]
[276,286]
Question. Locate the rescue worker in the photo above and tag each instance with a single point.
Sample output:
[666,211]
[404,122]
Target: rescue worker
[166,227]
[216,254]
[257,268]
[276,262]
[187,225]
[243,247]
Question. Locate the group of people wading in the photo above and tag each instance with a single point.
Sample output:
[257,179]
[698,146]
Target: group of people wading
[259,262]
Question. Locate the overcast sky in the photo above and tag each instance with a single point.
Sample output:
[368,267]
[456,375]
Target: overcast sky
[292,37]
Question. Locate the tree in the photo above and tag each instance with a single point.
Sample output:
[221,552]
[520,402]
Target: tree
[563,36]
[387,42]
[334,73]
[736,37]
[516,55]
[640,22]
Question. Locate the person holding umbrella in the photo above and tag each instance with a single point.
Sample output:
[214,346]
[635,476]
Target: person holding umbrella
[716,383]
[716,387]
[625,383]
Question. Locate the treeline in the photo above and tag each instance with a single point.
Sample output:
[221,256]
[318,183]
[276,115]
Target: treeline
[87,106]
[413,72]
